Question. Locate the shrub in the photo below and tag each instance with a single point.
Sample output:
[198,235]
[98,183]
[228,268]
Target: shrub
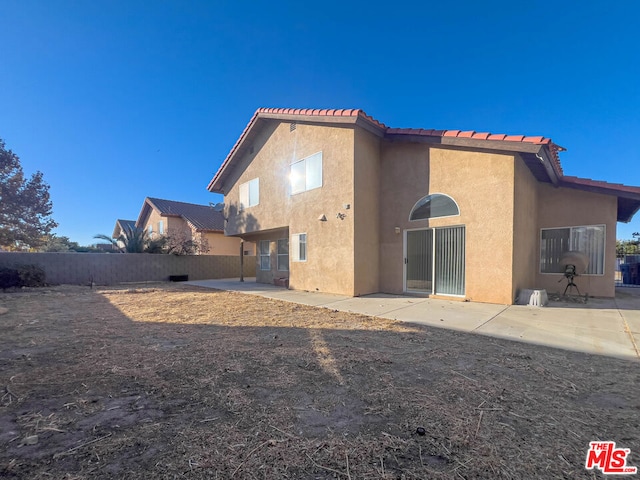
[31,276]
[22,276]
[9,278]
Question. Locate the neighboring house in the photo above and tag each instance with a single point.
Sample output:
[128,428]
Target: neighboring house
[340,203]
[121,227]
[189,221]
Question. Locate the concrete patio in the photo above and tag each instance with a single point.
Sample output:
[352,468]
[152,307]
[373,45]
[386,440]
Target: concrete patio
[602,326]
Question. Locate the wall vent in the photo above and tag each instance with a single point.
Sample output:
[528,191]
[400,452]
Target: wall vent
[292,126]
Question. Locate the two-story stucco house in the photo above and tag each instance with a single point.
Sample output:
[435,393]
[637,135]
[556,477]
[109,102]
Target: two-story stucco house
[187,222]
[338,202]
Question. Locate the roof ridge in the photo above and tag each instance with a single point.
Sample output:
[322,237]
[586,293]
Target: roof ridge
[356,112]
[178,201]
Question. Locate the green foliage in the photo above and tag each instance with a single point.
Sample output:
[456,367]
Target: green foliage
[25,206]
[53,243]
[134,240]
[22,276]
[138,240]
[31,276]
[9,278]
[627,247]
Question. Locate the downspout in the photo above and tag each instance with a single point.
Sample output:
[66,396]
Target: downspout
[241,260]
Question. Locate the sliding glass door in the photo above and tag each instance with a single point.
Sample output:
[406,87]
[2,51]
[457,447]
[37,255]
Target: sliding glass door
[419,261]
[434,260]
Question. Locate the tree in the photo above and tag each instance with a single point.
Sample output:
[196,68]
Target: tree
[180,243]
[627,247]
[53,243]
[134,240]
[138,240]
[25,206]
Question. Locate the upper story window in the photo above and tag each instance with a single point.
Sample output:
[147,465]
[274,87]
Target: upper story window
[249,193]
[436,205]
[306,174]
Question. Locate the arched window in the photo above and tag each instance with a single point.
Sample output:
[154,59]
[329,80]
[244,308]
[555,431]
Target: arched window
[436,205]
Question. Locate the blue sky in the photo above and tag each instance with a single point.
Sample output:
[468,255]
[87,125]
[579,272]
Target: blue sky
[118,100]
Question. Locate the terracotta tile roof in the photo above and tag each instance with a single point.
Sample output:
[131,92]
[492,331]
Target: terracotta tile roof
[471,134]
[588,182]
[345,112]
[384,130]
[538,140]
[628,197]
[201,217]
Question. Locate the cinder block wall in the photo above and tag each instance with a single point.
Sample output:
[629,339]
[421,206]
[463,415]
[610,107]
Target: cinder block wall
[114,268]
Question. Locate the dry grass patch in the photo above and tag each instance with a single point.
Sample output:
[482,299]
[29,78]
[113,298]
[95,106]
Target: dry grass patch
[172,381]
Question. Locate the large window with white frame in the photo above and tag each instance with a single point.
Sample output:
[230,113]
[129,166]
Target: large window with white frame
[249,193]
[283,254]
[265,255]
[555,242]
[299,247]
[306,174]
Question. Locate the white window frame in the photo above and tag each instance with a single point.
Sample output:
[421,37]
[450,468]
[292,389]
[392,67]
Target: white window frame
[249,194]
[280,255]
[298,239]
[262,255]
[160,227]
[150,229]
[571,228]
[306,164]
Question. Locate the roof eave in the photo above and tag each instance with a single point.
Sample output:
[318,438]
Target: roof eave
[628,197]
[144,212]
[356,117]
[540,151]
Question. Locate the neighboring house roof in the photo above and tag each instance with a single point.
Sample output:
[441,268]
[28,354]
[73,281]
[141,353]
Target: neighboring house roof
[122,225]
[200,217]
[539,153]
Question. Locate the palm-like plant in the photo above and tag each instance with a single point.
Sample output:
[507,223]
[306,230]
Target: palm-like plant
[135,240]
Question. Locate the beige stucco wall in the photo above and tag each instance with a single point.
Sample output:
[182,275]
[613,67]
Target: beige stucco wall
[565,207]
[526,245]
[153,219]
[365,210]
[482,186]
[502,207]
[330,259]
[219,244]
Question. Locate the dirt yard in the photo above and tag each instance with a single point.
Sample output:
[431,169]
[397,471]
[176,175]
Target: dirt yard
[173,381]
